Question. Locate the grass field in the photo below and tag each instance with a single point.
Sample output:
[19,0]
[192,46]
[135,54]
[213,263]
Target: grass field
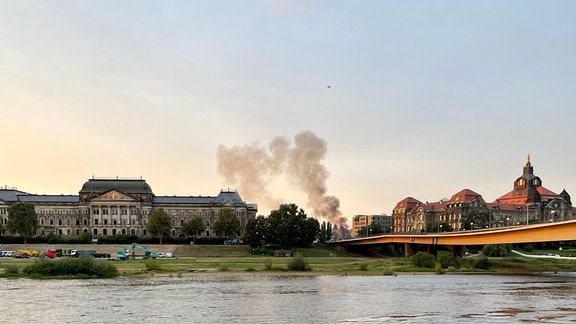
[322,260]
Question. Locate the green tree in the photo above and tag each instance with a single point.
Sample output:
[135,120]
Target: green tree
[193,227]
[475,220]
[227,223]
[257,230]
[290,227]
[159,223]
[22,219]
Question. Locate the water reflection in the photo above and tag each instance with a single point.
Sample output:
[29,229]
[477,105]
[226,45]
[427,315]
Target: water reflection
[309,299]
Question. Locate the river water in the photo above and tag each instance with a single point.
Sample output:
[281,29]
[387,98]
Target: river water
[224,298]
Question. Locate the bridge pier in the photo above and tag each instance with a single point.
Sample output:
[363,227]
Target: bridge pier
[409,249]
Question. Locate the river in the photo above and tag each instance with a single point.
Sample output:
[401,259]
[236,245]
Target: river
[224,298]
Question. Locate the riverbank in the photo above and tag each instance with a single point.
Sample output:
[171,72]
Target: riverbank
[221,259]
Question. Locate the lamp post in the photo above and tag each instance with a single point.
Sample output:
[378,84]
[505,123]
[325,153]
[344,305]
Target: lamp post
[440,229]
[471,225]
[507,219]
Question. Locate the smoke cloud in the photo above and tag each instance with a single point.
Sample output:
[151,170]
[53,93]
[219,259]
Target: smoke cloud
[251,168]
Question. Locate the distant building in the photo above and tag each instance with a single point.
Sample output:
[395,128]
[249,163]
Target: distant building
[362,223]
[528,202]
[106,207]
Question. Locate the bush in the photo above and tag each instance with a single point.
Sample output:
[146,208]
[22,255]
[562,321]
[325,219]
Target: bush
[152,265]
[11,270]
[268,264]
[84,265]
[298,264]
[423,259]
[482,263]
[497,250]
[261,251]
[447,260]
[363,266]
[438,268]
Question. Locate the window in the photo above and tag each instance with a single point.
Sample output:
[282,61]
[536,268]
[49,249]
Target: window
[96,221]
[104,211]
[95,231]
[105,222]
[95,211]
[104,232]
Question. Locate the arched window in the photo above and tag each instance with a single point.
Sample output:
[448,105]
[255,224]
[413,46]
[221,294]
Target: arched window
[95,232]
[104,232]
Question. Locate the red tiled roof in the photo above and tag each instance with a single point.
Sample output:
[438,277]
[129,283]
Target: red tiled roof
[466,195]
[435,206]
[509,198]
[504,206]
[407,203]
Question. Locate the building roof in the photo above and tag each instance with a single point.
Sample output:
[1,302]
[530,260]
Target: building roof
[435,206]
[509,198]
[50,198]
[193,200]
[466,195]
[123,185]
[10,195]
[407,203]
[227,197]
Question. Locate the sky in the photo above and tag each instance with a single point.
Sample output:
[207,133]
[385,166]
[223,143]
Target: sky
[409,98]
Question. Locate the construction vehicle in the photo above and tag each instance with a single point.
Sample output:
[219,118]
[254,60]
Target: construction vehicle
[122,254]
[54,253]
[147,253]
[26,253]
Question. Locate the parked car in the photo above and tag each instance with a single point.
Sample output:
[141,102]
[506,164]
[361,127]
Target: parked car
[233,241]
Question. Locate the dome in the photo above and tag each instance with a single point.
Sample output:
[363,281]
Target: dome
[228,197]
[123,185]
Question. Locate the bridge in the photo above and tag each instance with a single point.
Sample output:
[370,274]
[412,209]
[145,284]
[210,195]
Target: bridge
[545,232]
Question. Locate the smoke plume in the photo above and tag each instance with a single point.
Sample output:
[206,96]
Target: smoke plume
[252,168]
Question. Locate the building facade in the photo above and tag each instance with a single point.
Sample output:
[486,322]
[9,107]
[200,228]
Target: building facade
[528,202]
[362,224]
[105,207]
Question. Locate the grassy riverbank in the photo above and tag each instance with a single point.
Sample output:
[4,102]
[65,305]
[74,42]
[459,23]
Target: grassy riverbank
[321,260]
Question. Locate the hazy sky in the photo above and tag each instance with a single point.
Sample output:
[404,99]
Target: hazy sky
[413,98]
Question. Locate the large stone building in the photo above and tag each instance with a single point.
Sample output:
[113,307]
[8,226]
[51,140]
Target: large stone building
[106,207]
[528,202]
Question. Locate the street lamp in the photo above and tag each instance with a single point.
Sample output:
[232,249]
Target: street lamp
[471,225]
[440,230]
[507,219]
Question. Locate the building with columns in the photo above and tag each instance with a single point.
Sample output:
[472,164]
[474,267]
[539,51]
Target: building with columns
[105,207]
